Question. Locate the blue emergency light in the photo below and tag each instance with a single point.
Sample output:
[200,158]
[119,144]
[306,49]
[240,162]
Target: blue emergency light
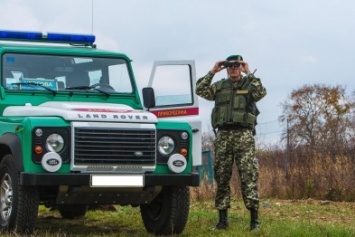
[74,38]
[47,38]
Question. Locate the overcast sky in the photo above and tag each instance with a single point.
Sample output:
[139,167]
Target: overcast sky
[291,43]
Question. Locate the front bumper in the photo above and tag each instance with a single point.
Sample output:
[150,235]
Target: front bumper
[35,179]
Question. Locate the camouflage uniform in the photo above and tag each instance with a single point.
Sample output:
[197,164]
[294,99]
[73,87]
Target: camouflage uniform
[234,144]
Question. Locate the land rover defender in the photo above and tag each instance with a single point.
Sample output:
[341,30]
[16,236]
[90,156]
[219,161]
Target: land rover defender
[74,133]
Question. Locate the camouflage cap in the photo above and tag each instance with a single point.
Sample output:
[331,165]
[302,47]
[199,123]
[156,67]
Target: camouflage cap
[235,57]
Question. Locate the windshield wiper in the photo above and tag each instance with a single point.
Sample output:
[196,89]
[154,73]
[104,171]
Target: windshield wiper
[33,84]
[88,88]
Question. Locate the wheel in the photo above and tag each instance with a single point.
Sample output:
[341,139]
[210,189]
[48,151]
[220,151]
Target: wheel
[72,211]
[19,204]
[167,214]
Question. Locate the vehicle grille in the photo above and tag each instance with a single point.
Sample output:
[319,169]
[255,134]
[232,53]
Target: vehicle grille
[114,146]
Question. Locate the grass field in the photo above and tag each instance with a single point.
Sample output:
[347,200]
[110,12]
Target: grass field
[298,218]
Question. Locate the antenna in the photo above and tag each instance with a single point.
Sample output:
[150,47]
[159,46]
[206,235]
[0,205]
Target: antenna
[92,16]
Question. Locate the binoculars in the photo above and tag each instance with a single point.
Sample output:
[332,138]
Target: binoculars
[230,64]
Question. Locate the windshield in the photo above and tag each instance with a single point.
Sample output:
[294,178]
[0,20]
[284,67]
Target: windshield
[65,73]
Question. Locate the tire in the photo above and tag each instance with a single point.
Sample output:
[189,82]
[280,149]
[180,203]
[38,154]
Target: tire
[72,211]
[18,204]
[167,214]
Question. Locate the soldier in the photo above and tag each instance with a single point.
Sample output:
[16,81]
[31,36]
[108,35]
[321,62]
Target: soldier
[233,120]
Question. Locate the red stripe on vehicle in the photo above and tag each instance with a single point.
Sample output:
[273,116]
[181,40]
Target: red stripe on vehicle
[175,112]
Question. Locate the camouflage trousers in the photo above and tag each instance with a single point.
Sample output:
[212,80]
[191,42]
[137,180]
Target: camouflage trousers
[236,145]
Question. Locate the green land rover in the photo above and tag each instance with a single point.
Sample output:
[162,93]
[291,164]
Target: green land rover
[74,132]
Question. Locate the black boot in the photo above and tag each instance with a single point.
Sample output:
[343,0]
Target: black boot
[254,222]
[223,220]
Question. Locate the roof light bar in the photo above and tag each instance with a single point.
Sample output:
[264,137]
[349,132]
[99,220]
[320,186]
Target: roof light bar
[71,38]
[77,39]
[20,35]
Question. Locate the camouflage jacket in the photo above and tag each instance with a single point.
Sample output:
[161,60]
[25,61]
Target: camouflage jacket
[235,102]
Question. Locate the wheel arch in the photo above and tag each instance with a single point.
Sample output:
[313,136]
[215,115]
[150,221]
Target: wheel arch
[11,144]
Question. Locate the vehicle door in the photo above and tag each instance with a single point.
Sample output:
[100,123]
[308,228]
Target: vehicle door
[174,85]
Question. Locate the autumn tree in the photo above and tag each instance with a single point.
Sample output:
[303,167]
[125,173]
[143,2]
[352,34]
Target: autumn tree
[317,117]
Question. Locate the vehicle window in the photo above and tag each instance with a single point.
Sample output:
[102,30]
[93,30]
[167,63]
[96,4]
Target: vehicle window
[61,73]
[172,85]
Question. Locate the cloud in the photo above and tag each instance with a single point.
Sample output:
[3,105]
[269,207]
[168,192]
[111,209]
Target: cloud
[16,16]
[309,59]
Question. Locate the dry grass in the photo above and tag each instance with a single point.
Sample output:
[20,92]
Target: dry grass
[319,177]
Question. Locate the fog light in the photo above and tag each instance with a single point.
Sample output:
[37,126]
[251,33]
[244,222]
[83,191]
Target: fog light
[177,163]
[51,162]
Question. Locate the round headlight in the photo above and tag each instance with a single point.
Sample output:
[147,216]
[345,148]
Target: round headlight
[55,142]
[166,145]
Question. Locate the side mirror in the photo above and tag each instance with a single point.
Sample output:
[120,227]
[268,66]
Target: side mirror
[148,97]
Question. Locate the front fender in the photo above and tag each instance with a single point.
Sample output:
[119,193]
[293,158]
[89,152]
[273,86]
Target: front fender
[11,144]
